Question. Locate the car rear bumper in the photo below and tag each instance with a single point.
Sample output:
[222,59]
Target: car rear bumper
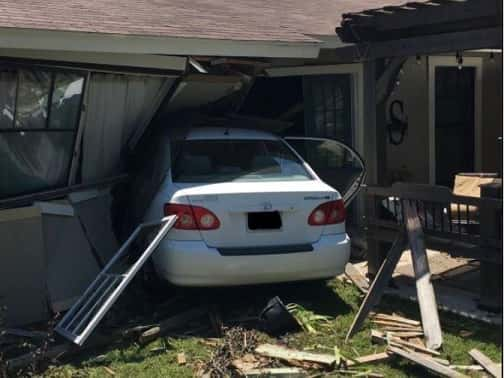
[192,263]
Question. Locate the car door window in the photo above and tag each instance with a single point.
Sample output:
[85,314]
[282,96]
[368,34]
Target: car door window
[335,163]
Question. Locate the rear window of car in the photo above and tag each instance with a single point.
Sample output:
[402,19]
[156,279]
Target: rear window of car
[214,160]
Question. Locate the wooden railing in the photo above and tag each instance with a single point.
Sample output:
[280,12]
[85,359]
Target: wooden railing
[466,226]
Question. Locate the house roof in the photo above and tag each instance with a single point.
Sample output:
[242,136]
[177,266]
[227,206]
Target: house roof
[242,20]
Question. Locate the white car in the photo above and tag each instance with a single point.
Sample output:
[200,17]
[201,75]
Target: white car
[250,210]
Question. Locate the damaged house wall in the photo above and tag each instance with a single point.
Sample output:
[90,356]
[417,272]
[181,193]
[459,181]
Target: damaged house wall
[118,106]
[52,250]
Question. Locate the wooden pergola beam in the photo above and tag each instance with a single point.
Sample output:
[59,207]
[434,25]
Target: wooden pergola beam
[424,14]
[423,45]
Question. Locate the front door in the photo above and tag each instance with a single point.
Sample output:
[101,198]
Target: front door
[454,122]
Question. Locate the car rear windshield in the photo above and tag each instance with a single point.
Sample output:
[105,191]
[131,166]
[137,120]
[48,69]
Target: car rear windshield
[214,160]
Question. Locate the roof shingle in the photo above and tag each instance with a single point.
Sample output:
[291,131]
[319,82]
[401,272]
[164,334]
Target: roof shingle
[245,20]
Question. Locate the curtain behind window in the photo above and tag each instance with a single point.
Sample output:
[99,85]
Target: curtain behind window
[118,106]
[39,112]
[32,161]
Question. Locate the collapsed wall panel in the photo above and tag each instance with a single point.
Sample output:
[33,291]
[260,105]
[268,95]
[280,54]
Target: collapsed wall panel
[93,209]
[22,266]
[71,266]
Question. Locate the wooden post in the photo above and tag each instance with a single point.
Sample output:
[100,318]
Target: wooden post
[425,290]
[490,272]
[377,134]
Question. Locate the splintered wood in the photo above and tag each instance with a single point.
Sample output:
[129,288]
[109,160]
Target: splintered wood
[402,338]
[491,367]
[398,326]
[428,363]
[357,277]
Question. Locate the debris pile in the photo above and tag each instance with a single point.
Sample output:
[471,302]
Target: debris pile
[233,353]
[247,352]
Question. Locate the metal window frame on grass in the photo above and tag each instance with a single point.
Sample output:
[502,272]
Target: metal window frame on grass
[107,287]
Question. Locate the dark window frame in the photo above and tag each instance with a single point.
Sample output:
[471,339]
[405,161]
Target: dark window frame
[53,71]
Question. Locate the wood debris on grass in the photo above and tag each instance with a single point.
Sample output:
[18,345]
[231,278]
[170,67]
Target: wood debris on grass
[181,358]
[235,344]
[358,279]
[494,369]
[426,362]
[109,371]
[283,372]
[402,336]
[289,355]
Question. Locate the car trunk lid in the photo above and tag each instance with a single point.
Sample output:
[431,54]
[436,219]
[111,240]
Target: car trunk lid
[260,213]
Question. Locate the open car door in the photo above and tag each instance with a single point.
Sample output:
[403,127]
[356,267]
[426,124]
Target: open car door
[337,164]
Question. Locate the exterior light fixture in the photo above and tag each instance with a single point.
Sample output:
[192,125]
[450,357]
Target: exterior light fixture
[460,60]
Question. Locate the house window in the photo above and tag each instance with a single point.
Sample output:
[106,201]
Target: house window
[39,114]
[328,106]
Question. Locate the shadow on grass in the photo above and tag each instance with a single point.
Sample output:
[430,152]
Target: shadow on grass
[316,296]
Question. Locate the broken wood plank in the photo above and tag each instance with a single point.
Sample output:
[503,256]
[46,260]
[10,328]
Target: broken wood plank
[381,337]
[379,283]
[425,290]
[468,367]
[109,371]
[401,329]
[368,359]
[397,319]
[392,324]
[290,372]
[441,361]
[357,277]
[427,363]
[415,346]
[286,354]
[356,373]
[171,324]
[149,335]
[406,335]
[490,366]
[181,358]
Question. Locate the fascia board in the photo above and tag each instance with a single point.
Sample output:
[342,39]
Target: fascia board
[16,38]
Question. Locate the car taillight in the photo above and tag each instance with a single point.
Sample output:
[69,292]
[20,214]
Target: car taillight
[192,217]
[331,212]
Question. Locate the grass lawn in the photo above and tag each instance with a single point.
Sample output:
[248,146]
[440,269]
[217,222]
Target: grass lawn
[337,299]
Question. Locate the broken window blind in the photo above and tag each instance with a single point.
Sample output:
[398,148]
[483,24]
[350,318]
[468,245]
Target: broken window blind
[118,106]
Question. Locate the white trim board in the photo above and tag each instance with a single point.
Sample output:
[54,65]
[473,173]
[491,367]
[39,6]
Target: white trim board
[110,59]
[450,61]
[17,38]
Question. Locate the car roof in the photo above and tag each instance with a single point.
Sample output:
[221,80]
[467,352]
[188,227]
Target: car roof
[203,133]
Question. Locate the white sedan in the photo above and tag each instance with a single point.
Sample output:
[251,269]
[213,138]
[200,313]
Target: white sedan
[251,211]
